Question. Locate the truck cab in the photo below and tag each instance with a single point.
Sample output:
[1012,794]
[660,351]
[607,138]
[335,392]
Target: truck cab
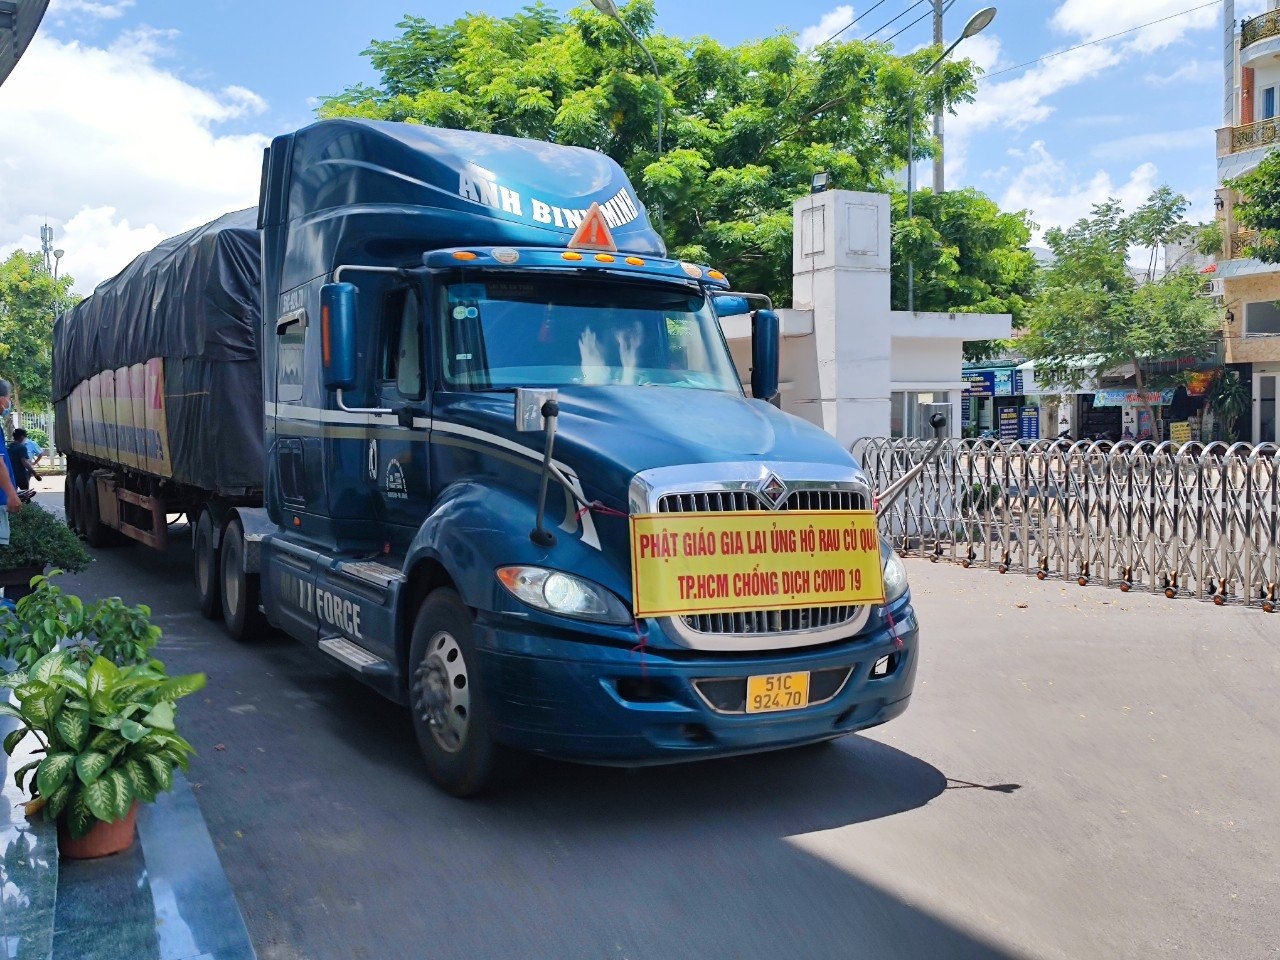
[480,374]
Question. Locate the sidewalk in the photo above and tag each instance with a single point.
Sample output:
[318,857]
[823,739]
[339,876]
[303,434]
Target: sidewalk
[166,898]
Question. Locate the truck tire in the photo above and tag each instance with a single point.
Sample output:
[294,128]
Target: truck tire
[240,591]
[96,533]
[69,499]
[82,505]
[446,698]
[206,568]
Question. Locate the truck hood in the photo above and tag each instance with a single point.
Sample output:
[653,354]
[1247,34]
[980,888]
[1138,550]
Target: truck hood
[609,434]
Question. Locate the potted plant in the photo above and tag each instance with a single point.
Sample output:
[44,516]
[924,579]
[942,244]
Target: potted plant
[104,731]
[37,540]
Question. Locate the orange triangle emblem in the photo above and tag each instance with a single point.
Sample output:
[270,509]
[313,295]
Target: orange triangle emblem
[593,233]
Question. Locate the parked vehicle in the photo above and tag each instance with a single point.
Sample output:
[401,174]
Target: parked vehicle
[479,426]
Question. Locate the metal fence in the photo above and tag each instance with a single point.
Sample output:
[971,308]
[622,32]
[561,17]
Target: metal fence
[55,460]
[1200,520]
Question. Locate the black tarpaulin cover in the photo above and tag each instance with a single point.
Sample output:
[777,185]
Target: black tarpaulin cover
[193,300]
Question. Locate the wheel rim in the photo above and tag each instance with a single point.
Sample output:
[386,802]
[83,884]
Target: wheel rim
[442,692]
[231,580]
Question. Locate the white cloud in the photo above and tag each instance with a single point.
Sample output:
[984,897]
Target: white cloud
[831,23]
[1046,187]
[1022,101]
[116,153]
[1094,19]
[1191,72]
[1155,144]
[63,10]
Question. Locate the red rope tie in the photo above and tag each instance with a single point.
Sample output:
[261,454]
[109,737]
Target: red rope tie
[640,647]
[897,640]
[598,507]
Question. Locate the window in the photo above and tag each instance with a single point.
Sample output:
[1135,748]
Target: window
[402,343]
[1261,317]
[1268,102]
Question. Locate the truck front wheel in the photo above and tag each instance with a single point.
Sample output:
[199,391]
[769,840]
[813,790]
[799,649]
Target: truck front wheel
[240,613]
[450,715]
[205,567]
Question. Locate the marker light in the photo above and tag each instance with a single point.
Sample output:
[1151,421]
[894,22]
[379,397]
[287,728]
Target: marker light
[715,274]
[691,270]
[505,254]
[604,258]
[563,593]
[570,255]
[464,255]
[635,261]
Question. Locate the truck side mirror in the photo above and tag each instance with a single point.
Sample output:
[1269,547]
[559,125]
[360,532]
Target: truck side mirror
[730,306]
[338,335]
[766,330]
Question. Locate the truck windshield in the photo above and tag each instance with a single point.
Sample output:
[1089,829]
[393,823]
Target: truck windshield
[552,331]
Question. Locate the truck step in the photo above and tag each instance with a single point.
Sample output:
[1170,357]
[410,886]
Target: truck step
[356,657]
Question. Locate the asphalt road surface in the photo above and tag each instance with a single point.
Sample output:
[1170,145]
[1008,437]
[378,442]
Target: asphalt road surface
[1082,773]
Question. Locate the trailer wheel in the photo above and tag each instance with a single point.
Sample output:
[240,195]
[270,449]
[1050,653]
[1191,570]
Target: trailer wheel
[240,614]
[205,567]
[82,506]
[96,533]
[447,700]
[69,499]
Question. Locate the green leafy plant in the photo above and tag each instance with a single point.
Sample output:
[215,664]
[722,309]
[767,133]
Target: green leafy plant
[48,619]
[39,539]
[106,733]
[1229,398]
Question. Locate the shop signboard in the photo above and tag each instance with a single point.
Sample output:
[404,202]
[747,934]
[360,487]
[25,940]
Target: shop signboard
[1008,423]
[1180,432]
[1029,423]
[1122,396]
[1004,382]
[981,383]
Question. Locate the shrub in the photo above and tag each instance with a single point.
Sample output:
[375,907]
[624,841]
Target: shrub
[39,539]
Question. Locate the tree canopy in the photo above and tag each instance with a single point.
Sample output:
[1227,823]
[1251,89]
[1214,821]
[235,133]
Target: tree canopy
[1260,208]
[30,300]
[1092,313]
[968,256]
[746,126]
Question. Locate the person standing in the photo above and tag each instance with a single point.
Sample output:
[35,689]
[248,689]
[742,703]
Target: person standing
[24,467]
[8,491]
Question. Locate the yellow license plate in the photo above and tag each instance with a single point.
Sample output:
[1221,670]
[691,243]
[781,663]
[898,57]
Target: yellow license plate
[777,691]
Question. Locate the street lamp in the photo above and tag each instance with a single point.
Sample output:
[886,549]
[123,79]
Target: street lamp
[57,255]
[977,23]
[610,9]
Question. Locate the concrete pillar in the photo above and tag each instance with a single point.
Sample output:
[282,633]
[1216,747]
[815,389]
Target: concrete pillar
[840,265]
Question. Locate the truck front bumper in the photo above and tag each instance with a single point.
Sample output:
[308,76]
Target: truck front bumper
[601,704]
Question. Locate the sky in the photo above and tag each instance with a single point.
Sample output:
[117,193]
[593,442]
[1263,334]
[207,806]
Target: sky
[128,121]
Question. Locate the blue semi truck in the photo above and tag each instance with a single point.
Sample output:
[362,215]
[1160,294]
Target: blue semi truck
[442,409]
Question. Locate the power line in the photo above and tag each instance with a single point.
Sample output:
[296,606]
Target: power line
[850,24]
[1089,43]
[894,20]
[909,26]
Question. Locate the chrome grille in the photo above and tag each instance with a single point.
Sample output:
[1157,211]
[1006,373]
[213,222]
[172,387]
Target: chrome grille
[765,621]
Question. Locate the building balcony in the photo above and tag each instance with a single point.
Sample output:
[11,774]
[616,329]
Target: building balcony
[1260,28]
[1250,136]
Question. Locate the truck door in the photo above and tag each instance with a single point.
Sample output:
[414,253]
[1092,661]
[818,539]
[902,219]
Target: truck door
[397,458]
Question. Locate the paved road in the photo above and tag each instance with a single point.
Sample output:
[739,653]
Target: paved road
[1082,774]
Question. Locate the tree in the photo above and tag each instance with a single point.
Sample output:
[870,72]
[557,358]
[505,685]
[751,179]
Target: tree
[1260,208]
[1091,313]
[968,257]
[746,126]
[30,300]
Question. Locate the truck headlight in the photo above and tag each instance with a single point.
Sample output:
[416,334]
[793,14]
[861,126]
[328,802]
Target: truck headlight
[895,577]
[563,593]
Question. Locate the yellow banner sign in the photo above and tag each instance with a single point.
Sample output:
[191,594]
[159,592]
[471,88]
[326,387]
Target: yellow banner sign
[687,563]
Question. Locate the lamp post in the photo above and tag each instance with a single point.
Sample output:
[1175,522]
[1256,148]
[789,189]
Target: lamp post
[610,9]
[57,256]
[977,23]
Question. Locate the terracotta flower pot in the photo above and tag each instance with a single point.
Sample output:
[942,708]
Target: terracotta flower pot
[102,840]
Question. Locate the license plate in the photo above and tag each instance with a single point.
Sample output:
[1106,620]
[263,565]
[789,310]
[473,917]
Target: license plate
[777,691]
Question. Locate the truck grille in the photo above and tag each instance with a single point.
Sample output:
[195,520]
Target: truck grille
[765,621]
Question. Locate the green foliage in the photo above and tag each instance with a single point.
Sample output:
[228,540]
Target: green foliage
[968,256]
[38,437]
[106,734]
[746,126]
[1260,208]
[39,539]
[1209,239]
[1091,314]
[48,618]
[1229,398]
[30,300]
